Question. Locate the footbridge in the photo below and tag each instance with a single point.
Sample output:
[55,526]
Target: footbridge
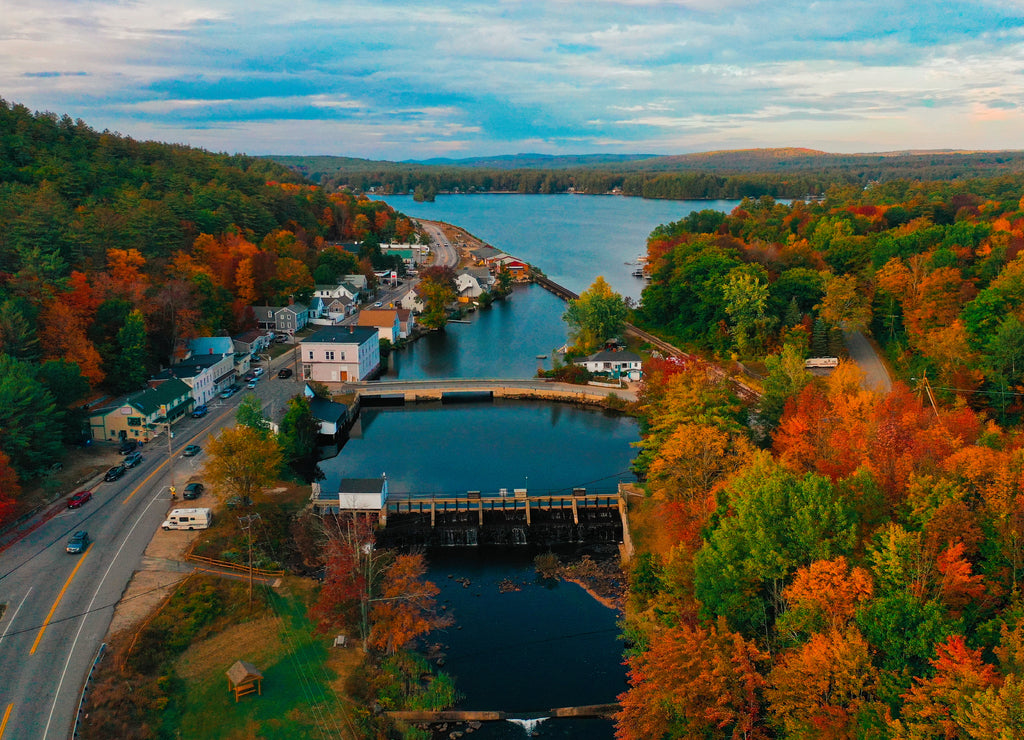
[455,389]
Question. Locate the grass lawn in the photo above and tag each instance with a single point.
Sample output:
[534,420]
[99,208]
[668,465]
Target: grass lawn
[301,682]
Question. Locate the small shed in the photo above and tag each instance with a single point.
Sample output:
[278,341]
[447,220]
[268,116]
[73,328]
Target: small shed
[243,678]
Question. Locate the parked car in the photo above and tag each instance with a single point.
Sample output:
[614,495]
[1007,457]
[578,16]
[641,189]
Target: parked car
[78,499]
[228,392]
[192,490]
[130,461]
[378,304]
[191,451]
[78,542]
[284,372]
[251,384]
[129,446]
[200,411]
[281,339]
[257,371]
[115,472]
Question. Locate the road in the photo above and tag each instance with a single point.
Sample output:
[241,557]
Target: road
[59,606]
[445,255]
[876,377]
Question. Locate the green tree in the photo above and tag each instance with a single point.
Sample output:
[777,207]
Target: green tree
[745,291]
[777,522]
[786,378]
[598,314]
[297,437]
[28,419]
[67,386]
[250,414]
[503,282]
[437,289]
[130,364]
[17,333]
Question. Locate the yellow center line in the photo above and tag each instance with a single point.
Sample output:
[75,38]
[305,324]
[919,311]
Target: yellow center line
[7,716]
[60,596]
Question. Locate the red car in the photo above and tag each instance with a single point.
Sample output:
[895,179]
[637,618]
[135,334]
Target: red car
[78,499]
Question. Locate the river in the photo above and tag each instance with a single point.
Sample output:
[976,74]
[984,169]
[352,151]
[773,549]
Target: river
[547,644]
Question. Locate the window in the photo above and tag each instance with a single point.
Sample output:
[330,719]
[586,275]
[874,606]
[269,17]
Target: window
[329,354]
[311,354]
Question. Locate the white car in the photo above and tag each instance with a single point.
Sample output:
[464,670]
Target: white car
[252,383]
[257,371]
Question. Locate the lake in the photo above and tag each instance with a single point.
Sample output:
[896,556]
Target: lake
[572,238]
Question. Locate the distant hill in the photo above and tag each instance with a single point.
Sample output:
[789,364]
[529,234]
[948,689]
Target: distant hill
[790,172]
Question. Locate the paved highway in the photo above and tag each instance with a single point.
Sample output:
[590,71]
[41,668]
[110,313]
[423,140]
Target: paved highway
[59,606]
[445,255]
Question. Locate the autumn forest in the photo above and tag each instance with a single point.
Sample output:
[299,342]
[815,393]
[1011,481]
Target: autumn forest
[818,560]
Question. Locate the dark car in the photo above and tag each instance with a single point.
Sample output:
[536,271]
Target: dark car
[78,499]
[130,461]
[78,542]
[191,451]
[193,490]
[115,472]
[130,446]
[199,411]
[284,372]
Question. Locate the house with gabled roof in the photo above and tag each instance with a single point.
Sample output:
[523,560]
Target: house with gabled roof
[206,375]
[284,319]
[615,363]
[385,319]
[140,415]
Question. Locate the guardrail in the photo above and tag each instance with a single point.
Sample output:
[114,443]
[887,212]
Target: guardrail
[227,565]
[85,690]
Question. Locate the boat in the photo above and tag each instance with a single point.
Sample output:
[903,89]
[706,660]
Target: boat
[542,357]
[638,273]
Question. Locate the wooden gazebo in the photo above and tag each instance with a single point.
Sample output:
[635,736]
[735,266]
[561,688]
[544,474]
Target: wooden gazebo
[243,678]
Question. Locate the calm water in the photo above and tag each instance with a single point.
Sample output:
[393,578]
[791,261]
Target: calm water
[502,341]
[572,238]
[548,644]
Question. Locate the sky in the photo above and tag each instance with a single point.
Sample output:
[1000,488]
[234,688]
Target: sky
[433,78]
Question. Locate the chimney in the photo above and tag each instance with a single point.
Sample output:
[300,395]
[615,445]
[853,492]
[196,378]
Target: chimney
[291,300]
[351,329]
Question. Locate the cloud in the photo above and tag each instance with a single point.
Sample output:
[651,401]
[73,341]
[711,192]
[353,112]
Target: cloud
[505,75]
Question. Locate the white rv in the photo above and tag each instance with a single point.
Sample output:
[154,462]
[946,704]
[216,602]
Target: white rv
[188,519]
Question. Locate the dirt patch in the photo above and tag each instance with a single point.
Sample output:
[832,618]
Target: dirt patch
[80,467]
[146,591]
[254,642]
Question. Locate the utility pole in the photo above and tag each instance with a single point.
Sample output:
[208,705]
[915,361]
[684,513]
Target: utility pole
[245,522]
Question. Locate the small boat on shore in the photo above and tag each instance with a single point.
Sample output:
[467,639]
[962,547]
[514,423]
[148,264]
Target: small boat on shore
[542,357]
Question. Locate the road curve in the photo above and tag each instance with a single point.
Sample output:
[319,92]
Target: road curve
[876,377]
[445,255]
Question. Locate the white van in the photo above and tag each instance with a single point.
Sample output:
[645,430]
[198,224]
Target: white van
[188,519]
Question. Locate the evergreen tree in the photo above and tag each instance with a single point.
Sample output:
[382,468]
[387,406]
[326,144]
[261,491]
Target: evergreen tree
[819,338]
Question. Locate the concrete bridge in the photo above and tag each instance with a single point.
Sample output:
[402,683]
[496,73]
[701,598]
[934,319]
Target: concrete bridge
[456,388]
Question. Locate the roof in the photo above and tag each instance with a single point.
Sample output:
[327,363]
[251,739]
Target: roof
[211,346]
[486,253]
[403,314]
[607,355]
[342,335]
[190,368]
[377,317]
[361,485]
[150,400]
[329,411]
[250,336]
[242,672]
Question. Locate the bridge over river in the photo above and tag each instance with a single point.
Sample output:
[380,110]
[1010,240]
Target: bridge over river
[463,388]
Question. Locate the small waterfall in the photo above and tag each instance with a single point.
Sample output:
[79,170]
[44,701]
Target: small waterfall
[529,725]
[471,537]
[518,536]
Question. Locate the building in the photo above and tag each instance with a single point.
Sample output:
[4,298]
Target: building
[353,495]
[487,255]
[139,416]
[339,354]
[205,375]
[385,319]
[467,286]
[614,363]
[410,301]
[252,342]
[406,323]
[284,319]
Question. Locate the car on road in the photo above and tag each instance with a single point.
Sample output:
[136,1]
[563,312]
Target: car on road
[191,451]
[284,372]
[200,411]
[130,461]
[78,499]
[78,542]
[192,491]
[228,392]
[281,339]
[115,472]
[252,383]
[257,372]
[130,446]
[378,304]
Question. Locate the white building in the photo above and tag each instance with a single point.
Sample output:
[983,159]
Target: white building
[339,354]
[615,363]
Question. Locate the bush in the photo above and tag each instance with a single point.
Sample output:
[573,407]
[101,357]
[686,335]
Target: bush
[570,373]
[547,565]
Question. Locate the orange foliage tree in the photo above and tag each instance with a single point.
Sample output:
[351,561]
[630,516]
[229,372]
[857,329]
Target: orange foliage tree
[819,690]
[693,682]
[405,607]
[825,594]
